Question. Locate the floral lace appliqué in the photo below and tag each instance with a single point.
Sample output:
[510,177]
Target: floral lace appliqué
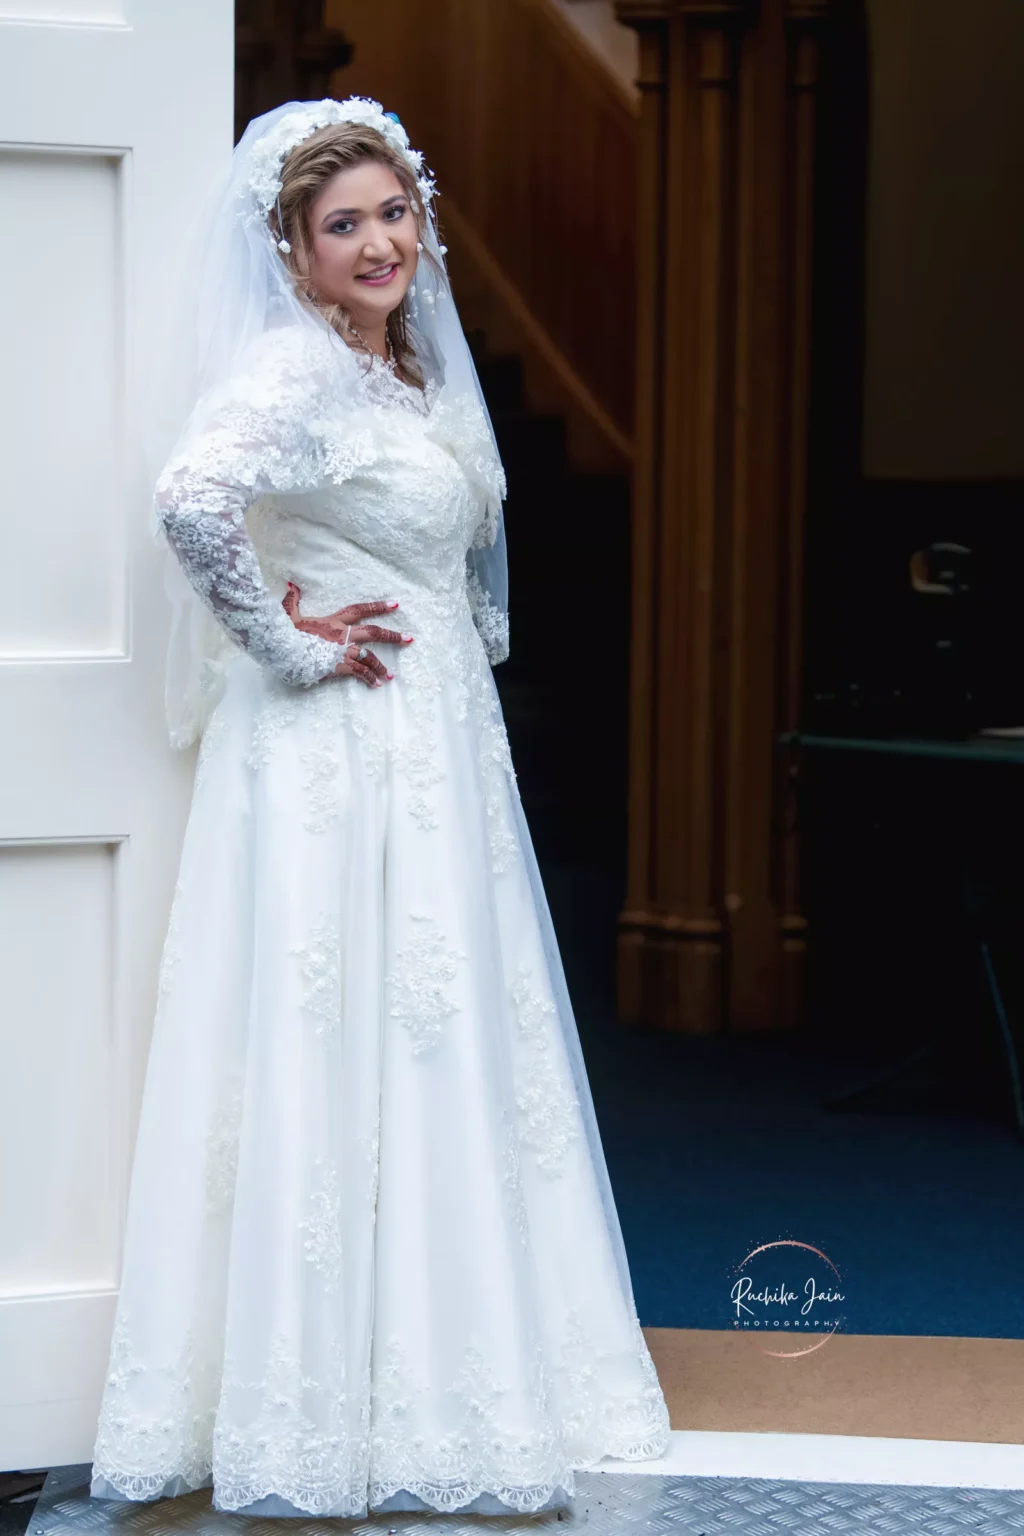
[509,1449]
[424,968]
[144,1440]
[320,783]
[512,1179]
[273,718]
[634,1424]
[222,1145]
[496,760]
[548,1105]
[323,1226]
[417,759]
[288,1432]
[320,965]
[491,622]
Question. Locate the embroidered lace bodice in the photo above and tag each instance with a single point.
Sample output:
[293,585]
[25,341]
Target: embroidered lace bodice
[381,499]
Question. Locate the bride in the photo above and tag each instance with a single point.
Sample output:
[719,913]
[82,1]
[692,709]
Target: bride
[372,1258]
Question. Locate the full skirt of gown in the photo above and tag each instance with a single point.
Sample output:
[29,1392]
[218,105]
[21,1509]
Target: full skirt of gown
[368,1260]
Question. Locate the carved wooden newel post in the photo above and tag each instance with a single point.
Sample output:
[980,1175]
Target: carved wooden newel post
[711,933]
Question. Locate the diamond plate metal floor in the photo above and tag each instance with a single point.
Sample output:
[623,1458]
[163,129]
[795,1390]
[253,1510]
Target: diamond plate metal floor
[606,1504]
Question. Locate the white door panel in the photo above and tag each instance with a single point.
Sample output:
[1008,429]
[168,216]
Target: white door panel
[115,116]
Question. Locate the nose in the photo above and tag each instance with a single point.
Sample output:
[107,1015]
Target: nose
[378,245]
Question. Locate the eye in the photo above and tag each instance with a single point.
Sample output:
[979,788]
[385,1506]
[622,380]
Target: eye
[342,227]
[394,213]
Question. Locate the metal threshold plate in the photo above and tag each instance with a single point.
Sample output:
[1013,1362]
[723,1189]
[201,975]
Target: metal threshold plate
[606,1504]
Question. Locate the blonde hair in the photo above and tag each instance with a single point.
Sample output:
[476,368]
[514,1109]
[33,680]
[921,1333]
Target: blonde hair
[306,170]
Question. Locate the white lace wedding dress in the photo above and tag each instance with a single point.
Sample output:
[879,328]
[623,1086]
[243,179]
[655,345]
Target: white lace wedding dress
[367,1264]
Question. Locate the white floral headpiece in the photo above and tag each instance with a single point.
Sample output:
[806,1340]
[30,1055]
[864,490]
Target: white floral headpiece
[270,152]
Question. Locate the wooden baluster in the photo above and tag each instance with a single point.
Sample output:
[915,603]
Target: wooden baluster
[712,930]
[673,928]
[651,242]
[805,21]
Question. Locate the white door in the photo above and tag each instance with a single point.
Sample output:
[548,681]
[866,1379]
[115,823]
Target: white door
[114,116]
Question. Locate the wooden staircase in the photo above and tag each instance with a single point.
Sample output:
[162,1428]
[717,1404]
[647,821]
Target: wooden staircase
[564,686]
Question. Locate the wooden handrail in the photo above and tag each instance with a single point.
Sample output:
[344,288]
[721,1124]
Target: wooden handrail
[597,74]
[532,332]
[532,140]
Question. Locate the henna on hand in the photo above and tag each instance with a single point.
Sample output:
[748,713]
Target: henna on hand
[344,627]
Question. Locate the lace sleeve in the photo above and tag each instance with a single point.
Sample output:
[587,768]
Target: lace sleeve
[206,529]
[490,620]
[487,574]
[257,442]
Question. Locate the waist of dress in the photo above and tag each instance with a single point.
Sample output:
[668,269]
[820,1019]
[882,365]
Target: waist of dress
[425,610]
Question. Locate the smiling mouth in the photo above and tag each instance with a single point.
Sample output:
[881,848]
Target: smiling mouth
[379,275]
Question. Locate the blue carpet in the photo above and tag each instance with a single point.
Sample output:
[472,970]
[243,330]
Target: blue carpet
[717,1144]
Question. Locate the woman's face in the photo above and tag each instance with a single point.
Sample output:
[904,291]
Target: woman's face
[364,242]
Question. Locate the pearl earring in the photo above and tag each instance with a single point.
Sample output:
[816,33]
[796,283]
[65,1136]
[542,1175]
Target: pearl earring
[282,245]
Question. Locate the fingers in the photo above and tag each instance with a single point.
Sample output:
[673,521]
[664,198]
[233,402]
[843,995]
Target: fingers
[335,630]
[375,665]
[356,611]
[335,626]
[360,670]
[379,636]
[369,668]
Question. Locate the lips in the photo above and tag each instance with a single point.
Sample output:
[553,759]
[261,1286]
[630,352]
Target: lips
[379,276]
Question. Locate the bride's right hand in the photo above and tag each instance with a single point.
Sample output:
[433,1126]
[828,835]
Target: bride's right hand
[346,627]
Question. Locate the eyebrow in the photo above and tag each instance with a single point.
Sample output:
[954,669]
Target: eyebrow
[396,197]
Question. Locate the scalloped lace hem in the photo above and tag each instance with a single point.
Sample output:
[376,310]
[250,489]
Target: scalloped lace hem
[272,1497]
[398,1494]
[132,1487]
